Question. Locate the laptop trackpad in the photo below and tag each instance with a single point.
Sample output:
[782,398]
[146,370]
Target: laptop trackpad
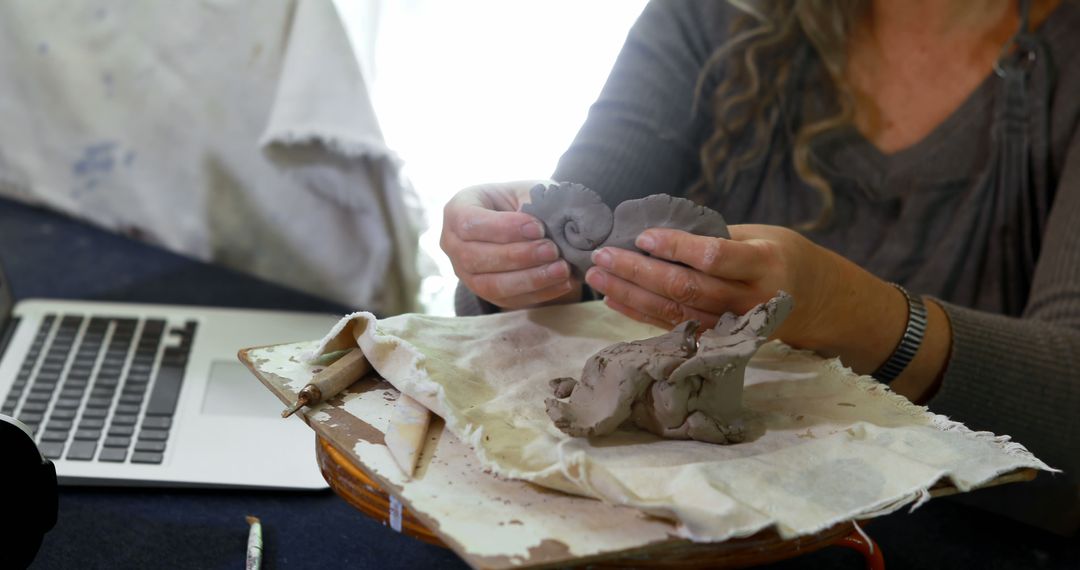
[233,391]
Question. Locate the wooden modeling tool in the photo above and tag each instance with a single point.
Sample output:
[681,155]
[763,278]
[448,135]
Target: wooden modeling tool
[406,433]
[331,380]
[408,421]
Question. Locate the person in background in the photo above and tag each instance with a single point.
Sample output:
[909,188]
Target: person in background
[877,158]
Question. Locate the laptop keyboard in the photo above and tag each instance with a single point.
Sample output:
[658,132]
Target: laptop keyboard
[102,388]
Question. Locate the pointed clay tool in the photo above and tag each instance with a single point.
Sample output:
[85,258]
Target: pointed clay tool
[331,380]
[406,432]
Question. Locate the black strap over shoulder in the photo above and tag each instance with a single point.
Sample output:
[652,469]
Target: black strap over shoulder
[1015,123]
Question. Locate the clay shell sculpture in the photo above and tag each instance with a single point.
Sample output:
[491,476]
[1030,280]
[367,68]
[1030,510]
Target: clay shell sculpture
[579,222]
[673,385]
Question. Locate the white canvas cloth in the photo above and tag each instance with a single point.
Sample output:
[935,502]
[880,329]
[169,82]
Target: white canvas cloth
[836,445]
[237,131]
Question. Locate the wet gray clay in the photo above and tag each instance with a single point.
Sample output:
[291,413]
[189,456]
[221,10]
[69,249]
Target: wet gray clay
[578,221]
[671,385]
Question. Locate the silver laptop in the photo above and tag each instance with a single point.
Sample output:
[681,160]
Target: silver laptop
[153,395]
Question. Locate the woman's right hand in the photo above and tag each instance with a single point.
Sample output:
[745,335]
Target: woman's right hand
[500,253]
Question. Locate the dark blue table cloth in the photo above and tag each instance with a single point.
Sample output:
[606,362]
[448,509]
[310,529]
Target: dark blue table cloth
[49,255]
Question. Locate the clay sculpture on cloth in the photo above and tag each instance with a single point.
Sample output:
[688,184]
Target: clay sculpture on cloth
[671,385]
[579,222]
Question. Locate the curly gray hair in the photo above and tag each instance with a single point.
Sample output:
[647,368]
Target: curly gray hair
[760,64]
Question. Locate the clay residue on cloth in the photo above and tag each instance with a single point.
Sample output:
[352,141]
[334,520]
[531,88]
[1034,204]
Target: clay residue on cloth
[815,463]
[579,222]
[672,385]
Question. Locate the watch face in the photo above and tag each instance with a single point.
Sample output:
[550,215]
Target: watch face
[33,477]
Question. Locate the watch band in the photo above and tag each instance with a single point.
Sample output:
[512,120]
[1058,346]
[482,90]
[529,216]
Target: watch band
[909,343]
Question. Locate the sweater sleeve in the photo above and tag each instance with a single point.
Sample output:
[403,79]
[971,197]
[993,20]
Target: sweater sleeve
[642,136]
[1021,376]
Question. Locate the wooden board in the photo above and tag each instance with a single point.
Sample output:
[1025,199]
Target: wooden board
[493,522]
[360,490]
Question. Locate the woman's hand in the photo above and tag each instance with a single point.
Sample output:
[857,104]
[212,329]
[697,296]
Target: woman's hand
[500,253]
[840,309]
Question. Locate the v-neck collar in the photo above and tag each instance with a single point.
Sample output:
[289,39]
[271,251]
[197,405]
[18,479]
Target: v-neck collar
[954,150]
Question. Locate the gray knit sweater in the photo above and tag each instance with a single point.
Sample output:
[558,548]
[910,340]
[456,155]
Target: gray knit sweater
[935,217]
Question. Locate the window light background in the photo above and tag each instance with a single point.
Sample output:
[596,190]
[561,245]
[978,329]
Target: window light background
[474,91]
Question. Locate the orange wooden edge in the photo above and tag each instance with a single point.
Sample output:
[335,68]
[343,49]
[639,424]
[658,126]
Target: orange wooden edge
[367,496]
[360,491]
[862,542]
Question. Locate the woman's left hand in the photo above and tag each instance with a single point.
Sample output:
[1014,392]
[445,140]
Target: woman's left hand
[711,276]
[840,308]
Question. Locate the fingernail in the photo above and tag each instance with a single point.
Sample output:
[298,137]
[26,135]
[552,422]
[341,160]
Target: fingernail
[557,270]
[595,278]
[547,252]
[602,257]
[645,241]
[532,230]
